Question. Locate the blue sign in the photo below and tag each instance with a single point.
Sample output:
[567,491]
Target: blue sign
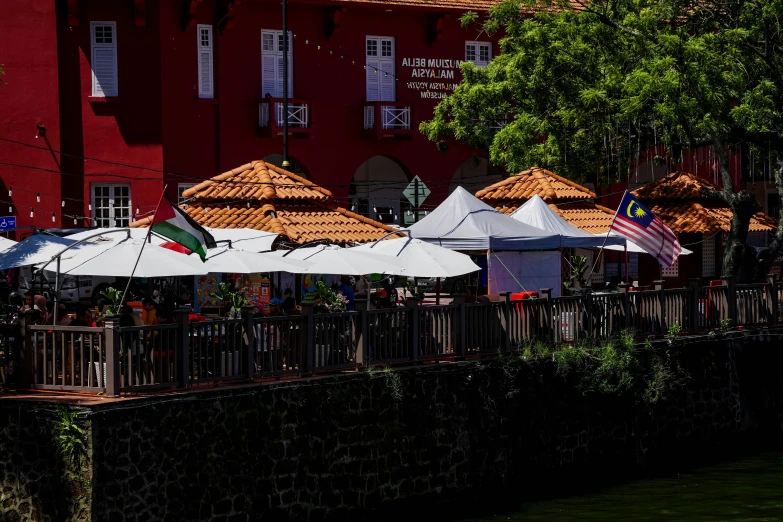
[7,223]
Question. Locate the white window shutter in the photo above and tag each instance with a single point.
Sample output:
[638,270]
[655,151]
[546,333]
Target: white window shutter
[104,58]
[269,75]
[272,64]
[373,82]
[386,77]
[205,69]
[290,66]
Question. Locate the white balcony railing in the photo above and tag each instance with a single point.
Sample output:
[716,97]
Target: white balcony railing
[298,115]
[369,117]
[395,118]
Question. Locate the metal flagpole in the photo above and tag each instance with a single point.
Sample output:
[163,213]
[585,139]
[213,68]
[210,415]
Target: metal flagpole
[146,239]
[598,257]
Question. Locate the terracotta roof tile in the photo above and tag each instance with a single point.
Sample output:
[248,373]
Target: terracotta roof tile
[260,196]
[704,217]
[256,181]
[300,222]
[678,200]
[533,181]
[677,185]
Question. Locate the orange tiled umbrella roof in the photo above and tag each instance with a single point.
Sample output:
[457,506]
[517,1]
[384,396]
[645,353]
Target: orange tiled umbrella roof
[678,200]
[534,181]
[261,196]
[257,180]
[572,201]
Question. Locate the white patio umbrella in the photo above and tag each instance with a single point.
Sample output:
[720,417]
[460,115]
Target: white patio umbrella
[118,259]
[6,243]
[231,260]
[422,259]
[330,259]
[38,248]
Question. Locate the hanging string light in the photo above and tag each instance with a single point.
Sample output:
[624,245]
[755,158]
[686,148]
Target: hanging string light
[32,211]
[52,217]
[38,197]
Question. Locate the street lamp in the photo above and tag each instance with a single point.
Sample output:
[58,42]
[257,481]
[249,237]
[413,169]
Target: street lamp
[286,165]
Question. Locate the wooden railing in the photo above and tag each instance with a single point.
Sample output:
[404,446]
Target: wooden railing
[116,360]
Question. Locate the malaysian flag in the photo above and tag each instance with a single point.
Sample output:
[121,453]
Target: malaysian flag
[634,221]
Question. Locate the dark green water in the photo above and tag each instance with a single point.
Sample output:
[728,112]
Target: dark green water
[747,489]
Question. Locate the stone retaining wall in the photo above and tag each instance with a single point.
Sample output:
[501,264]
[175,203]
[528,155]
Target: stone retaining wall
[341,448]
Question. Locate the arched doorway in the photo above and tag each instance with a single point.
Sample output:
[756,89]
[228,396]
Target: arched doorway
[473,175]
[296,166]
[376,190]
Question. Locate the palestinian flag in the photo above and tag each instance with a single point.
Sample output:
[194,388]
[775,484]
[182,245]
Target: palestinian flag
[171,222]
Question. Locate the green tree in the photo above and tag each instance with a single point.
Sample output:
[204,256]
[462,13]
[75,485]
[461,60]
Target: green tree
[589,84]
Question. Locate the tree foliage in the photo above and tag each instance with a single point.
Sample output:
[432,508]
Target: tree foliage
[583,86]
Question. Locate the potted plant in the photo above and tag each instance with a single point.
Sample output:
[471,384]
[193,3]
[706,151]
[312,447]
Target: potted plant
[327,301]
[236,300]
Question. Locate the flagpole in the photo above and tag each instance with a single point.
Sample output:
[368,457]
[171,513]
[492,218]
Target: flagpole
[146,239]
[598,257]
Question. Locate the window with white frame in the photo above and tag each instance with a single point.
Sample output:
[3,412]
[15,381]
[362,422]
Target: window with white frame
[480,53]
[672,271]
[182,187]
[205,76]
[708,256]
[379,65]
[111,204]
[272,64]
[104,58]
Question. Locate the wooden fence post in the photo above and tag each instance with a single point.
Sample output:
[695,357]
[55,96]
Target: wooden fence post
[112,330]
[27,346]
[248,315]
[772,298]
[182,316]
[460,329]
[661,307]
[588,299]
[362,331]
[308,337]
[549,326]
[412,303]
[693,304]
[626,304]
[731,298]
[506,310]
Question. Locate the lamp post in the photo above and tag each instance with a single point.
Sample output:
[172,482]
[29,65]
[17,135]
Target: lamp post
[286,164]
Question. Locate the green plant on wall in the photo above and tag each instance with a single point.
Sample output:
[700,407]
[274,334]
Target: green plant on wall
[69,436]
[615,366]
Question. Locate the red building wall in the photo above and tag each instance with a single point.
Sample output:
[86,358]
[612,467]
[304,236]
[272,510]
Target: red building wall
[157,131]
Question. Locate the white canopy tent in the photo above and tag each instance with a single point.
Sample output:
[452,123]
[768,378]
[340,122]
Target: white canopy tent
[421,259]
[463,222]
[537,213]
